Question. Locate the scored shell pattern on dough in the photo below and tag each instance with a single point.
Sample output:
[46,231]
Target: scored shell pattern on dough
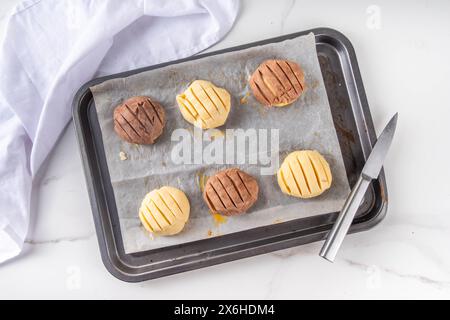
[164,211]
[204,105]
[230,192]
[277,82]
[139,120]
[304,174]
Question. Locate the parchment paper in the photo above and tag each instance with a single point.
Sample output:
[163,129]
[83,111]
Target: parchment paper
[306,124]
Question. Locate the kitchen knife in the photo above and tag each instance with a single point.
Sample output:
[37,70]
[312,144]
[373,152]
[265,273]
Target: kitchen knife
[370,171]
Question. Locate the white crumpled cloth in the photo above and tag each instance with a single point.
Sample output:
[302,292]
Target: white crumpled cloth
[52,47]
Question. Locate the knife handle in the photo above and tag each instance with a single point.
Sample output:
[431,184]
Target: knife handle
[344,220]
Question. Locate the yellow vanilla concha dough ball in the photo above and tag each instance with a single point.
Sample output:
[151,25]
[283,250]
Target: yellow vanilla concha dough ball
[164,211]
[204,105]
[304,174]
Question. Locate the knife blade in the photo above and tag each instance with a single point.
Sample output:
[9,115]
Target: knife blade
[370,171]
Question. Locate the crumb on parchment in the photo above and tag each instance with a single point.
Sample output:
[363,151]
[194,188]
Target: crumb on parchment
[123,156]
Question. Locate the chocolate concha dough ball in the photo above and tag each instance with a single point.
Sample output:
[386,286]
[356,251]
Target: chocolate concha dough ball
[277,82]
[230,192]
[139,120]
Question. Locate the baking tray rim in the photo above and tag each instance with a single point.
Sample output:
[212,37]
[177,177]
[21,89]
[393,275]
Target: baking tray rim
[118,268]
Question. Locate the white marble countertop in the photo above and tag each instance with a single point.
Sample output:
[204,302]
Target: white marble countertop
[403,57]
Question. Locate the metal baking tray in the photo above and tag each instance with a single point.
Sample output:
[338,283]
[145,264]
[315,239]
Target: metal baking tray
[356,134]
